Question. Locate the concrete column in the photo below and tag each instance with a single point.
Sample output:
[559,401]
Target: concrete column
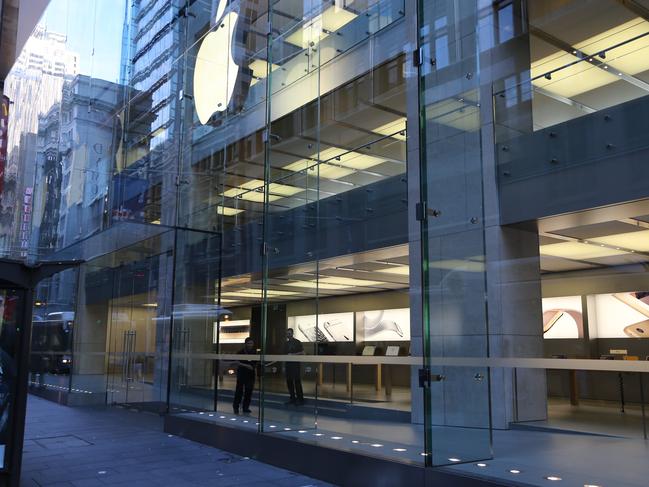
[515,323]
[484,291]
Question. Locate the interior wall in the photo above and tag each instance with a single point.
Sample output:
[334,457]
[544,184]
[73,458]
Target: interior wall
[356,302]
[597,281]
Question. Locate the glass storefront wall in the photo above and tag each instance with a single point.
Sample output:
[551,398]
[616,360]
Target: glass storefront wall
[337,182]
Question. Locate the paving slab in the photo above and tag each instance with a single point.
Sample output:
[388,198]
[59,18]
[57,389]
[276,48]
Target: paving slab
[99,446]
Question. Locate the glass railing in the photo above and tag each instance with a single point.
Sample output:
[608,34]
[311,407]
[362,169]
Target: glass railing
[577,106]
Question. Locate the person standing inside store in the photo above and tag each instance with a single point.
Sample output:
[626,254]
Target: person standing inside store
[294,346]
[245,377]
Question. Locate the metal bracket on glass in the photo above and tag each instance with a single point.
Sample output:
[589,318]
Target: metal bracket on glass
[418,56]
[423,212]
[425,378]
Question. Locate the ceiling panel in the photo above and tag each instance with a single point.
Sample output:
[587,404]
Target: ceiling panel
[598,230]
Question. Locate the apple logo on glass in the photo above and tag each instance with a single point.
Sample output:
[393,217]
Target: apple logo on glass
[216,73]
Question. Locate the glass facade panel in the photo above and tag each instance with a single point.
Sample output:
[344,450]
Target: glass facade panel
[398,229]
[53,332]
[453,234]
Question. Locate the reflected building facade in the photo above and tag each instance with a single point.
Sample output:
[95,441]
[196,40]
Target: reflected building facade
[443,200]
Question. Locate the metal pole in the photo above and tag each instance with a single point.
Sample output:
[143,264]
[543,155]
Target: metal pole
[644,419]
[621,391]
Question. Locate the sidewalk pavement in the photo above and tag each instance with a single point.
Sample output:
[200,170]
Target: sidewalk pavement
[99,446]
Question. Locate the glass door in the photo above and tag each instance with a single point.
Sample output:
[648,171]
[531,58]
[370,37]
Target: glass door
[451,212]
[134,320]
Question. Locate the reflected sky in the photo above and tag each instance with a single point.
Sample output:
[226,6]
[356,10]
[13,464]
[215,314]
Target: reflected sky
[84,23]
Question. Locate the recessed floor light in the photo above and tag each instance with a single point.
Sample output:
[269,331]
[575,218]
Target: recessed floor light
[553,478]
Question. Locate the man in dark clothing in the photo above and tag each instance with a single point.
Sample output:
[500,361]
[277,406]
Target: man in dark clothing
[293,376]
[245,378]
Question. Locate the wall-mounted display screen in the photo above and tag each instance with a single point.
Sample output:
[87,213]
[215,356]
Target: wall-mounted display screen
[232,331]
[334,327]
[563,317]
[387,325]
[621,315]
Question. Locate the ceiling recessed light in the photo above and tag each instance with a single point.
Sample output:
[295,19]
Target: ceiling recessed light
[336,437]
[398,449]
[302,431]
[591,485]
[355,442]
[453,459]
[553,478]
[515,471]
[481,465]
[317,434]
[377,445]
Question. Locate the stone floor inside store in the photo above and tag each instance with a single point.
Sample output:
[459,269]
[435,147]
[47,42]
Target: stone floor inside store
[592,417]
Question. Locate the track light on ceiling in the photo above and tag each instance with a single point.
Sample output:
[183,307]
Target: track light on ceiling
[548,76]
